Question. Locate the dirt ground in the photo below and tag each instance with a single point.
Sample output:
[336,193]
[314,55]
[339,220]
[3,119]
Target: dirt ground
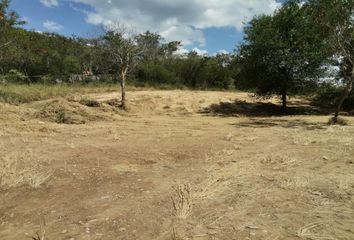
[177,165]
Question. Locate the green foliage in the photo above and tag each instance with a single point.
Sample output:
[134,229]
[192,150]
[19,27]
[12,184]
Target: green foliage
[333,22]
[280,55]
[154,74]
[8,18]
[15,76]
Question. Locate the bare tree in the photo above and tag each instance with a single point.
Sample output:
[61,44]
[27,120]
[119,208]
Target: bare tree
[123,47]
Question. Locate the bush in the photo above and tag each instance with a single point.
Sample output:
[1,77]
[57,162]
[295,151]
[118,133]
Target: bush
[15,76]
[154,74]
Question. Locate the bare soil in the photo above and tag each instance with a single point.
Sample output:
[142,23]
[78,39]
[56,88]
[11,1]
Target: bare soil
[177,165]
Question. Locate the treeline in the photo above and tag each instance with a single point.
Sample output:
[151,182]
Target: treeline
[45,57]
[289,52]
[31,57]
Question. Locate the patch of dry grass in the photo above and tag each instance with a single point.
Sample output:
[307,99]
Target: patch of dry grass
[315,231]
[182,200]
[278,161]
[21,168]
[337,121]
[63,111]
[42,234]
[20,93]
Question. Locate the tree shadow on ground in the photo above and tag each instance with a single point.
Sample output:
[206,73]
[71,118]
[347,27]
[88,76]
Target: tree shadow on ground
[284,123]
[259,109]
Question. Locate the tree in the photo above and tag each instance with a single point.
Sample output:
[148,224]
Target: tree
[170,48]
[8,19]
[278,54]
[150,44]
[124,50]
[333,21]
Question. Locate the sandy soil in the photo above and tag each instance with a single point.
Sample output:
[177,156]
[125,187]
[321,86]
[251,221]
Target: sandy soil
[178,165]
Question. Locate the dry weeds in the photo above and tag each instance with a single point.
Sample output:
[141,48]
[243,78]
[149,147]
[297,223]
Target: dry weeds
[182,200]
[21,168]
[314,231]
[41,235]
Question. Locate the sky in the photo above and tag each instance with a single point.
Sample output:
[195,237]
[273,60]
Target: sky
[206,26]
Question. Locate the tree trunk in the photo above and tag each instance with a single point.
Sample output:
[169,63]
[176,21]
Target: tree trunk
[284,101]
[346,93]
[122,86]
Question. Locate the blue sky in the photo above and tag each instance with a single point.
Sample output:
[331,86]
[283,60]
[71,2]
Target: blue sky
[206,26]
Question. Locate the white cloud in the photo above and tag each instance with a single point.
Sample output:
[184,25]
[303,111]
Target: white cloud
[50,3]
[52,26]
[186,34]
[181,52]
[200,52]
[222,51]
[177,19]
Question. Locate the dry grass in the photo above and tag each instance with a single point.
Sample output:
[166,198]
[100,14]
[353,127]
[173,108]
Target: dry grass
[18,169]
[314,231]
[17,93]
[247,181]
[337,121]
[278,161]
[182,200]
[63,111]
[42,234]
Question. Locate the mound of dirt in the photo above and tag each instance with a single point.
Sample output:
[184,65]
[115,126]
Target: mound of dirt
[63,111]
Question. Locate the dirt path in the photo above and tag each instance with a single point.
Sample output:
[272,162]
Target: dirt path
[245,177]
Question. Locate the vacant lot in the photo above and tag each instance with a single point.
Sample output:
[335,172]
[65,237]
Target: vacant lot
[177,165]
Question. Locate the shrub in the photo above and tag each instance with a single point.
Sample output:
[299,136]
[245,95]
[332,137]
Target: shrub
[155,74]
[15,76]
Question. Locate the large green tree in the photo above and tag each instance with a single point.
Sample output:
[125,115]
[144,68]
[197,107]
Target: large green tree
[278,54]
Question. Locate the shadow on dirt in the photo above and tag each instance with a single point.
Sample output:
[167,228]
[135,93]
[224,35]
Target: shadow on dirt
[284,123]
[259,109]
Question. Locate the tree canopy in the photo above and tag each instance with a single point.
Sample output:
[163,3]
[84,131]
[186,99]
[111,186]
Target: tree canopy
[280,55]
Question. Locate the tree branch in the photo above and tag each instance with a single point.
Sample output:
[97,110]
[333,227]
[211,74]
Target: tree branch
[6,44]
